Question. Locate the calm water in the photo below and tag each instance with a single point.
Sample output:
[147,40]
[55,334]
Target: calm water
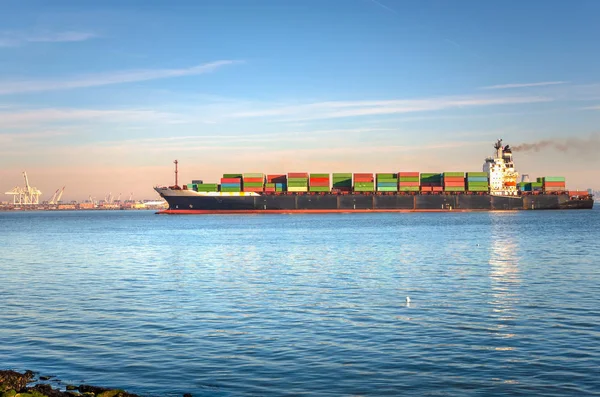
[502,303]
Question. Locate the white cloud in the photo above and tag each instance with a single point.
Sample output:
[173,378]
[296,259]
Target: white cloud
[522,85]
[16,39]
[119,77]
[340,109]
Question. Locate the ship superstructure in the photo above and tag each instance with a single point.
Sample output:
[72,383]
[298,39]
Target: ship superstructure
[501,171]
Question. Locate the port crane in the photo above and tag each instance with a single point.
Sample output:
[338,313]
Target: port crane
[27,195]
[57,196]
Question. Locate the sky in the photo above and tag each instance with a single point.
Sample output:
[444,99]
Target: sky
[102,96]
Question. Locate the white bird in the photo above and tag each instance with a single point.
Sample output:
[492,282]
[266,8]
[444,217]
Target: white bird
[407,300]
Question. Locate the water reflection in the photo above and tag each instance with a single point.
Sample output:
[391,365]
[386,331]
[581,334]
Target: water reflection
[504,272]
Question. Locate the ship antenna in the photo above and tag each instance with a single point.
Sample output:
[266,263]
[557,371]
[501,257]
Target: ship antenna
[176,171]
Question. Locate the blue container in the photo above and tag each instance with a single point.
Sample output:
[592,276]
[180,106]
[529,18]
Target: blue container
[477,179]
[230,185]
[387,184]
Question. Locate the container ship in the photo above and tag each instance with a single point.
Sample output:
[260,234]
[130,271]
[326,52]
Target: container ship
[495,188]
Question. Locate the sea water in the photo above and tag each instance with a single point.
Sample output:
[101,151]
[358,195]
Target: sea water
[501,303]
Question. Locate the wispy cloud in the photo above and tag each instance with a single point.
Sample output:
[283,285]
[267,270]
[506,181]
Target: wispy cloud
[340,109]
[119,77]
[16,39]
[383,6]
[522,85]
[31,117]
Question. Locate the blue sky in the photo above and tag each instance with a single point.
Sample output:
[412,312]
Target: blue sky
[102,97]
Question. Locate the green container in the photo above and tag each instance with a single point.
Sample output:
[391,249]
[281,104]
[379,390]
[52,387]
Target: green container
[318,189]
[477,189]
[387,189]
[319,175]
[409,179]
[254,175]
[342,184]
[540,180]
[454,189]
[297,179]
[387,180]
[477,183]
[343,175]
[537,184]
[477,174]
[408,188]
[269,185]
[554,179]
[232,175]
[364,184]
[431,177]
[387,175]
[363,189]
[462,174]
[231,189]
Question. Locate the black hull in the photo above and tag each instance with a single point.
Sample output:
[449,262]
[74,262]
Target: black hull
[362,203]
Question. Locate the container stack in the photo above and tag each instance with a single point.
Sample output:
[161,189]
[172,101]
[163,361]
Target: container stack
[342,182]
[454,181]
[319,183]
[408,182]
[537,186]
[231,183]
[207,187]
[477,182]
[276,183]
[254,182]
[297,182]
[431,182]
[554,184]
[387,182]
[364,183]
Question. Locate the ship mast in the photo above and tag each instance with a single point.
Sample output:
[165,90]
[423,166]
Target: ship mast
[176,172]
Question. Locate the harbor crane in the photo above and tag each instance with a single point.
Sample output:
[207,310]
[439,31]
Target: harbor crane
[27,195]
[57,196]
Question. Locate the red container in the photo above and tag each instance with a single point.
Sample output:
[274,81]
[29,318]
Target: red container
[408,184]
[319,180]
[437,189]
[230,180]
[270,189]
[454,184]
[454,179]
[297,175]
[253,189]
[426,188]
[411,174]
[363,176]
[554,184]
[578,193]
[319,184]
[508,183]
[253,180]
[430,184]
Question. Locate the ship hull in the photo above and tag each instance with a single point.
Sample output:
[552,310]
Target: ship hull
[185,202]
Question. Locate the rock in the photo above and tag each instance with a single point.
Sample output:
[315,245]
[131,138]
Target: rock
[46,390]
[92,389]
[11,380]
[72,387]
[8,393]
[187,395]
[45,377]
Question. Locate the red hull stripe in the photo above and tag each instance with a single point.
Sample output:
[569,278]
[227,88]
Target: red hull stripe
[200,212]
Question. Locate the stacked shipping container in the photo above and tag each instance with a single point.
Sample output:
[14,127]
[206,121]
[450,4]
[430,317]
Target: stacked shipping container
[387,182]
[276,183]
[342,182]
[408,182]
[431,182]
[553,183]
[254,182]
[454,181]
[297,182]
[364,183]
[319,183]
[477,182]
[207,187]
[231,183]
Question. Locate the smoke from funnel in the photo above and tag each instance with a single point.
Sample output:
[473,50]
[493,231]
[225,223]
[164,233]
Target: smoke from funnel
[575,145]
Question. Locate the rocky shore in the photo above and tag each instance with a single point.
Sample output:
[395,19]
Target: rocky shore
[15,384]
